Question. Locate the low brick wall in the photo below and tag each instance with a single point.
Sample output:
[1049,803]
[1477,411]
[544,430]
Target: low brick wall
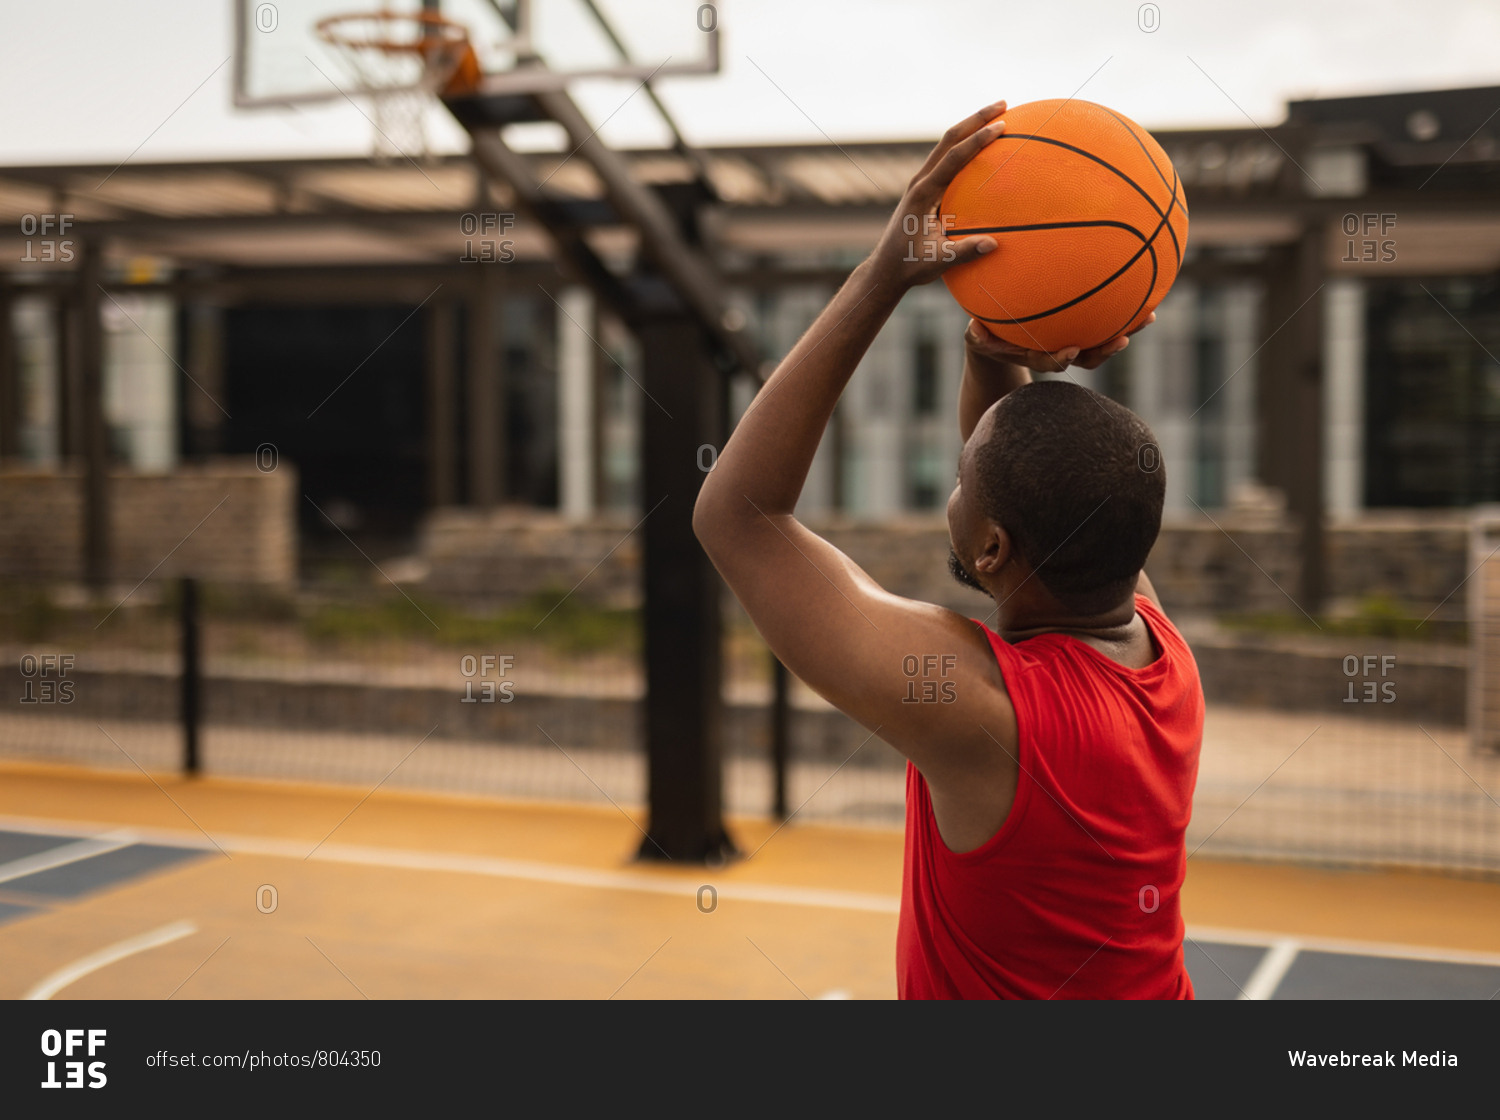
[1420,558]
[224,520]
[1251,565]
[1197,568]
[508,555]
[1244,563]
[1417,684]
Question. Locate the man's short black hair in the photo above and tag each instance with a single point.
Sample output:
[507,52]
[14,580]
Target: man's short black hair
[1076,480]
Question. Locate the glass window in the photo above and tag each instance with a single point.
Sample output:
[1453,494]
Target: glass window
[1432,392]
[924,377]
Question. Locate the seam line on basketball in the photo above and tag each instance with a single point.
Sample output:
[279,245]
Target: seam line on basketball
[1176,247]
[1090,224]
[1123,124]
[1155,272]
[1136,137]
[1104,163]
[1100,286]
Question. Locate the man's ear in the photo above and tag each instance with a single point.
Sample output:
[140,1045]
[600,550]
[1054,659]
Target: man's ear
[994,550]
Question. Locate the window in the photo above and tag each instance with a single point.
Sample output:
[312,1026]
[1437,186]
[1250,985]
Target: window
[1432,393]
[924,378]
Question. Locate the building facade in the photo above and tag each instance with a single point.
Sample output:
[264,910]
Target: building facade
[404,338]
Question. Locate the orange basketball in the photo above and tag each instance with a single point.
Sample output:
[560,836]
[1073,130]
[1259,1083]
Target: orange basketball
[1089,218]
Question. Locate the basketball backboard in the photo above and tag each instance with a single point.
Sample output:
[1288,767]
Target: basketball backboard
[281,59]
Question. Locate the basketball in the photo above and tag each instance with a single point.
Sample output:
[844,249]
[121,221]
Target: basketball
[1090,222]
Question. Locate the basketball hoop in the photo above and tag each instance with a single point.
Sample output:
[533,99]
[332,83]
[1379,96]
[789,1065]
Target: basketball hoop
[403,61]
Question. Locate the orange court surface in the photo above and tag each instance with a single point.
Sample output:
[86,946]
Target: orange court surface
[124,886]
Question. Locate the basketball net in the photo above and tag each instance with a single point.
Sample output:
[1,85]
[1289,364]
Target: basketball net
[402,61]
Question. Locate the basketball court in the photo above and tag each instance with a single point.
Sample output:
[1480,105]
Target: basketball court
[116,886]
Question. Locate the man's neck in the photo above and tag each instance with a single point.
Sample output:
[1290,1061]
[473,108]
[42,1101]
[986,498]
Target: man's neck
[1114,625]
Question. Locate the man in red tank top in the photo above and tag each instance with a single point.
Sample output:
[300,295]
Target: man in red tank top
[1051,759]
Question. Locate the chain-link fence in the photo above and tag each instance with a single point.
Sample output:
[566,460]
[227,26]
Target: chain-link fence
[386,688]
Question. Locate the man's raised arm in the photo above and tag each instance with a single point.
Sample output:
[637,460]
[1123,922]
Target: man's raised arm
[764,465]
[832,625]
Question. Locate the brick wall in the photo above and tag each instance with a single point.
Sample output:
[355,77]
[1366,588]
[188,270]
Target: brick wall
[507,555]
[1419,558]
[1240,564]
[221,520]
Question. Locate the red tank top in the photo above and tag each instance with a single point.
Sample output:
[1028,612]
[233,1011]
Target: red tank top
[1076,895]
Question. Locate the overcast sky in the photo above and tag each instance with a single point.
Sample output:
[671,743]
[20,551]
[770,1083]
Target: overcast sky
[98,80]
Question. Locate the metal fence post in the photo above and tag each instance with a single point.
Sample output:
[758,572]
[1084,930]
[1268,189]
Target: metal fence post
[192,677]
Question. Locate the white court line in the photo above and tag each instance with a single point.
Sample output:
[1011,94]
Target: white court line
[1400,950]
[1271,970]
[492,866]
[80,968]
[603,878]
[66,854]
[573,876]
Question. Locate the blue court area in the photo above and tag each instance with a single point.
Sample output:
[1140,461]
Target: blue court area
[1288,969]
[41,871]
[1335,976]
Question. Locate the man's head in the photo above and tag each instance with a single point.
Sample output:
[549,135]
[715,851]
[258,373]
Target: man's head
[1058,486]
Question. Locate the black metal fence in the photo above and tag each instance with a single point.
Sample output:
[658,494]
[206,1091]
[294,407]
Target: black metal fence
[383,688]
[360,685]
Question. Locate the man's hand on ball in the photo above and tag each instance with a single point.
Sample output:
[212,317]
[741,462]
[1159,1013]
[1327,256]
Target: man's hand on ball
[983,342]
[914,248]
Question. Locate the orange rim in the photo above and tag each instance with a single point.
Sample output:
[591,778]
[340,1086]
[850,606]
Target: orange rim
[442,42]
[447,32]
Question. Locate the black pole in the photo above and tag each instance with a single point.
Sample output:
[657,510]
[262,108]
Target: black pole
[192,677]
[683,592]
[1290,405]
[780,734]
[89,353]
[10,389]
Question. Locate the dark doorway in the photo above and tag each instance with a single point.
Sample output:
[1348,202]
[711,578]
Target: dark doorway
[338,392]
